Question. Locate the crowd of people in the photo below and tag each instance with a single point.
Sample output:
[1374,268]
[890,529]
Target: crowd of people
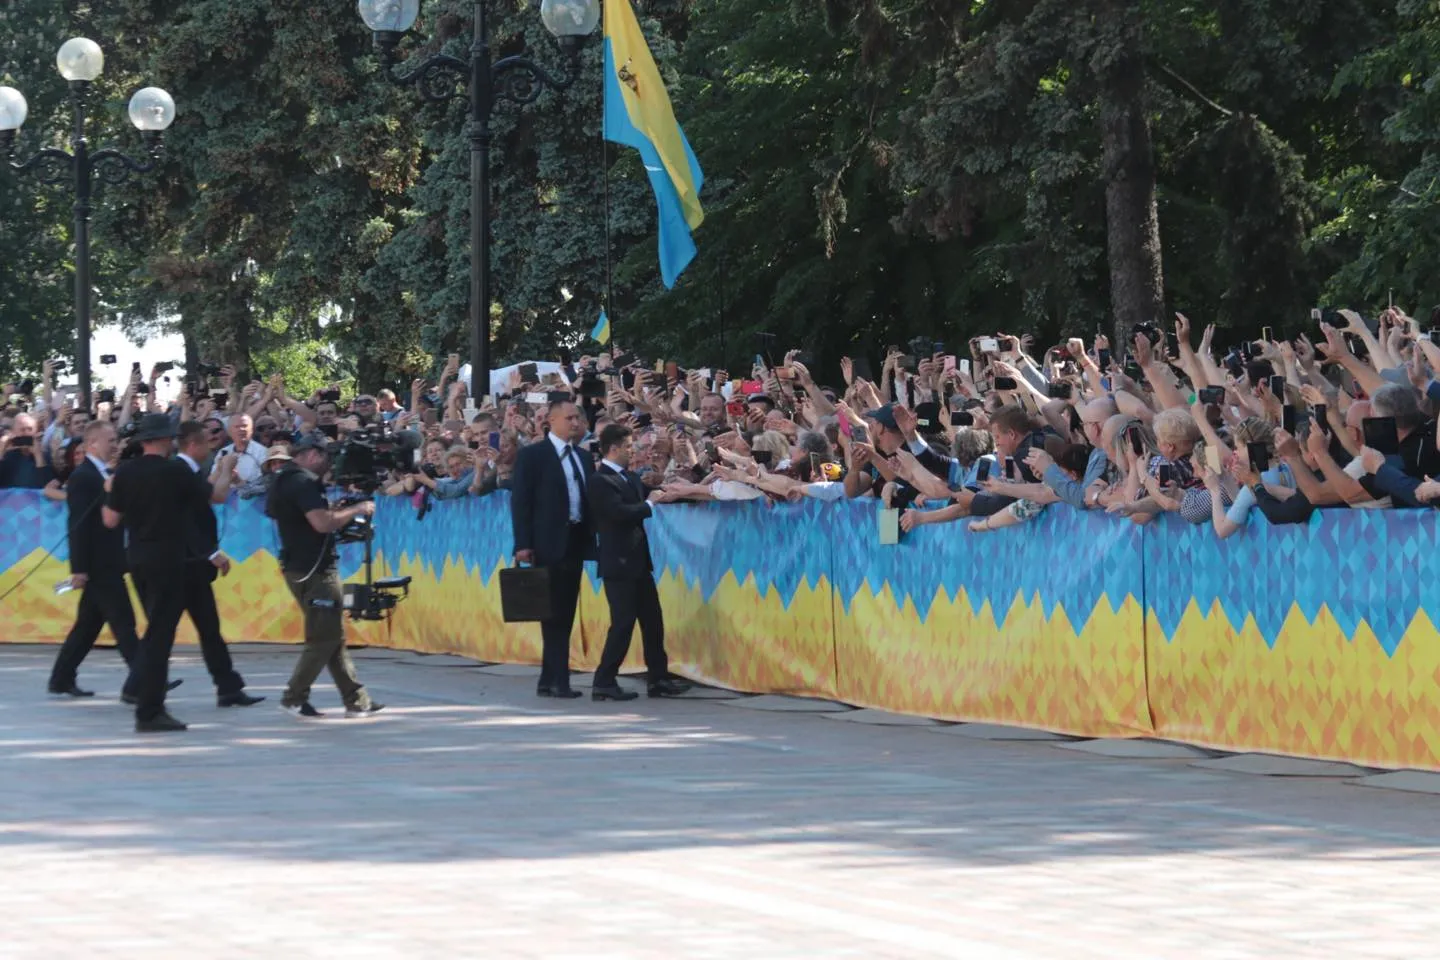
[991,436]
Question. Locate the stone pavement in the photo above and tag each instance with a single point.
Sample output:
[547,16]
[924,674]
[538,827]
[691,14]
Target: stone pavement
[472,819]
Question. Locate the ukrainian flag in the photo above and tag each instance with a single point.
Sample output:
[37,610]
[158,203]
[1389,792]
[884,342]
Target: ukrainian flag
[638,114]
[601,332]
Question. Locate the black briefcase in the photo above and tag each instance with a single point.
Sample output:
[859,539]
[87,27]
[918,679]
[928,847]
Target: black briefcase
[525,594]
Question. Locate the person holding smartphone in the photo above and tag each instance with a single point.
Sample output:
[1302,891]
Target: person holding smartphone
[1402,447]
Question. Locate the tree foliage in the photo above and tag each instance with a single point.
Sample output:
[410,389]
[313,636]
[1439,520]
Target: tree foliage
[876,169]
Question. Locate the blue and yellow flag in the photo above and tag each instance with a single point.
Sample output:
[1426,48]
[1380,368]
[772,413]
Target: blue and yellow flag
[638,114]
[601,332]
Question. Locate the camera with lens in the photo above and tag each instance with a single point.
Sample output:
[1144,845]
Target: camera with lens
[364,459]
[373,599]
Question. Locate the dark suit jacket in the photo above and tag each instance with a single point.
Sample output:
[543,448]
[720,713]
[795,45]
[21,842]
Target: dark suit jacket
[617,504]
[95,550]
[540,503]
[202,535]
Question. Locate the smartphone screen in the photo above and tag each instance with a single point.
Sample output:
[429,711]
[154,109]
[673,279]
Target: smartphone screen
[1381,435]
[1259,456]
[1212,458]
[949,364]
[1287,419]
[1321,420]
[1137,443]
[493,441]
[1006,383]
[1267,334]
[1164,474]
[1277,386]
[1009,468]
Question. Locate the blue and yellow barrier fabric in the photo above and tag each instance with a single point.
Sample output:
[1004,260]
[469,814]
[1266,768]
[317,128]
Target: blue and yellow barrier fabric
[1313,640]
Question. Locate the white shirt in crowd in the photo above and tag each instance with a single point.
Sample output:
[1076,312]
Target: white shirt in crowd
[249,463]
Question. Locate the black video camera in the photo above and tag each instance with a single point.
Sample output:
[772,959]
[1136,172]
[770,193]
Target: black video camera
[365,457]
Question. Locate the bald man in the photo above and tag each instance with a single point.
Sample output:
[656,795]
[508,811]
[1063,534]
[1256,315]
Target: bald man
[551,518]
[1081,494]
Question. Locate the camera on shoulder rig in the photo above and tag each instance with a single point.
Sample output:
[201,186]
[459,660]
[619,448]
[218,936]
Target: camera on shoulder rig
[373,599]
[364,459]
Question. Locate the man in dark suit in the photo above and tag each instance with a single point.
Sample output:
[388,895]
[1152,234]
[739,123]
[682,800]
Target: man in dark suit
[551,519]
[619,509]
[204,560]
[152,496]
[97,566]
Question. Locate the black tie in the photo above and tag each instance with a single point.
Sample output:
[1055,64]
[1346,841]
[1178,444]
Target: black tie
[575,465]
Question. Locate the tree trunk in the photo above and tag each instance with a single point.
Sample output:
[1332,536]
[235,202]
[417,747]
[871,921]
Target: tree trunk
[1132,220]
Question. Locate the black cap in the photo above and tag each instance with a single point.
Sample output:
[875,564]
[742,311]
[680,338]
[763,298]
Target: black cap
[311,440]
[155,426]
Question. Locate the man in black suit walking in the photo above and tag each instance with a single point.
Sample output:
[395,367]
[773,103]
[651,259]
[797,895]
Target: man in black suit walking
[153,496]
[97,566]
[619,508]
[551,519]
[204,560]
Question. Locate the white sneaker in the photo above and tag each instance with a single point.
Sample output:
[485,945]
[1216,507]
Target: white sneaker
[360,713]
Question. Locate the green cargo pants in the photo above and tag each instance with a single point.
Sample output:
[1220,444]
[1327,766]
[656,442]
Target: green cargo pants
[321,600]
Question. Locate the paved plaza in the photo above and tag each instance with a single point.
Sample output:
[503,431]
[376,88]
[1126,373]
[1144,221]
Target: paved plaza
[473,820]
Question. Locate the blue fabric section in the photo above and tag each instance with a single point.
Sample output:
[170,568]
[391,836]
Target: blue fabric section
[677,245]
[1371,566]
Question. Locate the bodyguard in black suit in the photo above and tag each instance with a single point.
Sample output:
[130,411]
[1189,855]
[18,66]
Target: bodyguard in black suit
[152,496]
[551,519]
[97,566]
[204,560]
[619,509]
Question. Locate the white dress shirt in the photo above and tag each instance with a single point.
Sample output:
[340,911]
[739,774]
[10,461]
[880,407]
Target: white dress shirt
[99,465]
[574,485]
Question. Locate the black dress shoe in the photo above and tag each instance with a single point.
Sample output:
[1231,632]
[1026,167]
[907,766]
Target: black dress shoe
[561,694]
[670,688]
[162,722]
[615,692]
[71,691]
[130,700]
[238,699]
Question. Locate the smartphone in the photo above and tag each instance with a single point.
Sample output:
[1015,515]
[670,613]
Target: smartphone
[1009,468]
[165,367]
[964,366]
[762,457]
[1212,395]
[983,473]
[659,366]
[1006,383]
[845,427]
[1105,358]
[1287,419]
[537,398]
[1321,421]
[1137,443]
[493,441]
[927,414]
[1277,387]
[1267,334]
[529,373]
[1061,390]
[134,368]
[949,364]
[1381,435]
[1212,458]
[106,359]
[759,361]
[988,345]
[962,418]
[888,522]
[1164,474]
[1259,456]
[105,396]
[736,408]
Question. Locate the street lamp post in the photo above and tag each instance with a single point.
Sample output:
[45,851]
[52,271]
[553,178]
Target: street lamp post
[516,80]
[152,111]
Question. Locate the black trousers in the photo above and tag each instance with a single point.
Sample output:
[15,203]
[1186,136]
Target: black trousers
[200,605]
[565,579]
[631,600]
[104,600]
[162,591]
